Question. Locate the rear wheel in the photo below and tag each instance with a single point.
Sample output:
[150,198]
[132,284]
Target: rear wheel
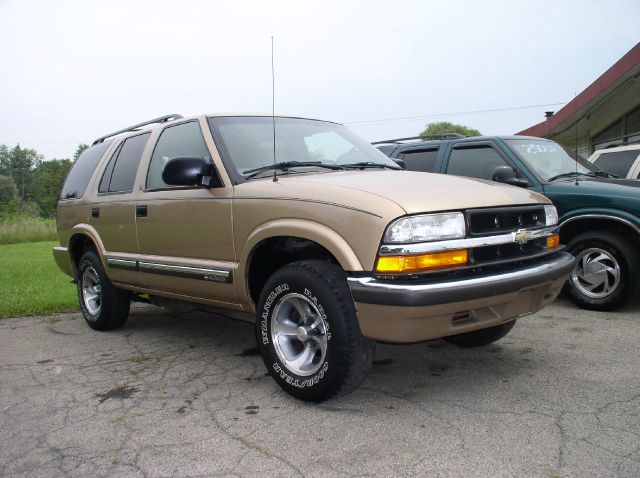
[308,333]
[103,306]
[481,337]
[605,276]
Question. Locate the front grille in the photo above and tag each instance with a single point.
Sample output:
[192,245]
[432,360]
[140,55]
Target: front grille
[486,254]
[485,222]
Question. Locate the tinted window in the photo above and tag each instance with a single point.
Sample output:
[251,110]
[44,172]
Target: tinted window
[82,171]
[617,162]
[477,162]
[106,176]
[183,140]
[387,149]
[122,174]
[423,160]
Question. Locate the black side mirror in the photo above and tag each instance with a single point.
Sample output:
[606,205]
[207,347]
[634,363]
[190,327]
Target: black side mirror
[507,175]
[190,171]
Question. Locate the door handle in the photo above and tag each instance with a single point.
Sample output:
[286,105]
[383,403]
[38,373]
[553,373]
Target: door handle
[95,212]
[141,211]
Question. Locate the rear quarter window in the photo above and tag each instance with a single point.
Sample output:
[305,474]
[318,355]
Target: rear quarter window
[82,170]
[617,162]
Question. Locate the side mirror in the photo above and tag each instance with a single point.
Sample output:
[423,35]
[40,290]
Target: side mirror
[190,171]
[506,175]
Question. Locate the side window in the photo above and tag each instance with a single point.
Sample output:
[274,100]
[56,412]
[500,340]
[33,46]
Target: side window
[123,165]
[182,140]
[82,170]
[475,162]
[618,162]
[421,160]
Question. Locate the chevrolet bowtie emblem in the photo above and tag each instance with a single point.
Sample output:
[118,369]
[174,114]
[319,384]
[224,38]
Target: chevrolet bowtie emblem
[523,236]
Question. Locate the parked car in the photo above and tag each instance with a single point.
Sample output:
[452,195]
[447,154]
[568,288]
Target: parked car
[599,214]
[622,161]
[309,231]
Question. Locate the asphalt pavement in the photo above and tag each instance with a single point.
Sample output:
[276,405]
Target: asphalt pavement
[187,395]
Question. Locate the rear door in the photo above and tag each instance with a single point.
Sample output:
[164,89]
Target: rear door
[113,214]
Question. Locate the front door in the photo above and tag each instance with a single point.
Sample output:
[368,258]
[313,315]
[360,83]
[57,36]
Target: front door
[185,234]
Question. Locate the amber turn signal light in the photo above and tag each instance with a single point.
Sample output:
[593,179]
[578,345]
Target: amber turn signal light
[422,262]
[553,241]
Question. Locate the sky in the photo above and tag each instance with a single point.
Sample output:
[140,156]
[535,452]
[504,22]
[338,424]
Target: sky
[75,70]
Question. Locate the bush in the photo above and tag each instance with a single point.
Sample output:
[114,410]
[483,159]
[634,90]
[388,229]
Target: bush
[27,229]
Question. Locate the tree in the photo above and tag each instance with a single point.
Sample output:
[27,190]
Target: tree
[81,147]
[47,182]
[19,164]
[8,189]
[441,127]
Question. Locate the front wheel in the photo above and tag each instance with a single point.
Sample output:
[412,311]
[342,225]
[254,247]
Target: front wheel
[103,306]
[308,333]
[605,276]
[481,337]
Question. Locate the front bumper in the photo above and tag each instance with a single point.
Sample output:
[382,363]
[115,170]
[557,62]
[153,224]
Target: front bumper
[414,311]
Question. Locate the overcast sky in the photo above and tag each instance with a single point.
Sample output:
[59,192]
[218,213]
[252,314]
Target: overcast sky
[73,71]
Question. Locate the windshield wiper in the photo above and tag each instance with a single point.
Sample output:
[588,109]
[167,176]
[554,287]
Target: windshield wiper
[593,174]
[368,164]
[571,174]
[601,174]
[285,165]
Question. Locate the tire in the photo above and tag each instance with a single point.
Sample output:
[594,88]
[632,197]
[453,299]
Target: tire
[605,276]
[481,337]
[308,333]
[103,306]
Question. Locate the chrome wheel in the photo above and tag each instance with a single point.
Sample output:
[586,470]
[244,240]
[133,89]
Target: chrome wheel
[91,291]
[596,274]
[299,334]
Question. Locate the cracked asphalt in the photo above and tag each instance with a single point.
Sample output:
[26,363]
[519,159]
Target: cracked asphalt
[187,395]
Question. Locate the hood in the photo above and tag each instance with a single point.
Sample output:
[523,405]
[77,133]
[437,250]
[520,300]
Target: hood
[621,194]
[412,191]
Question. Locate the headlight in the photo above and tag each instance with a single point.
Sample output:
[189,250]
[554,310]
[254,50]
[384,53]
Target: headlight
[427,227]
[551,215]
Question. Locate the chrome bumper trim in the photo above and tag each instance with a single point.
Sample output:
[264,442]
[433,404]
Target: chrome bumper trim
[421,293]
[453,244]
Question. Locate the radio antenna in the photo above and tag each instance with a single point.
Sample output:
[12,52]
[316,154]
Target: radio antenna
[273,112]
[575,115]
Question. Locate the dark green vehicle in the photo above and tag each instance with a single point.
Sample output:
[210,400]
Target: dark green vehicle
[599,213]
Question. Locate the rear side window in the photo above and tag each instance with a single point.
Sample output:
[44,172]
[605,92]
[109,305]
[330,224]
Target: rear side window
[617,162]
[121,171]
[82,170]
[476,162]
[422,160]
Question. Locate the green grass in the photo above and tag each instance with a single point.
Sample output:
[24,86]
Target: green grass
[27,229]
[31,283]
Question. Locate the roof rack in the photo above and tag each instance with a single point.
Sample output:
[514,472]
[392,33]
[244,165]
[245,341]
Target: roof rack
[439,136]
[161,119]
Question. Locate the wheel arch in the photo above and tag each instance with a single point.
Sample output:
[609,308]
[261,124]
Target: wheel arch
[278,243]
[82,237]
[573,226]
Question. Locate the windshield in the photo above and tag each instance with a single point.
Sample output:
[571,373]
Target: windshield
[248,143]
[548,159]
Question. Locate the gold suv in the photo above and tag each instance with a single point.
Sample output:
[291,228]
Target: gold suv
[307,230]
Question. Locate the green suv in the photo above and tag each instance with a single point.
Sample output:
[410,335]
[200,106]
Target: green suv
[599,213]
